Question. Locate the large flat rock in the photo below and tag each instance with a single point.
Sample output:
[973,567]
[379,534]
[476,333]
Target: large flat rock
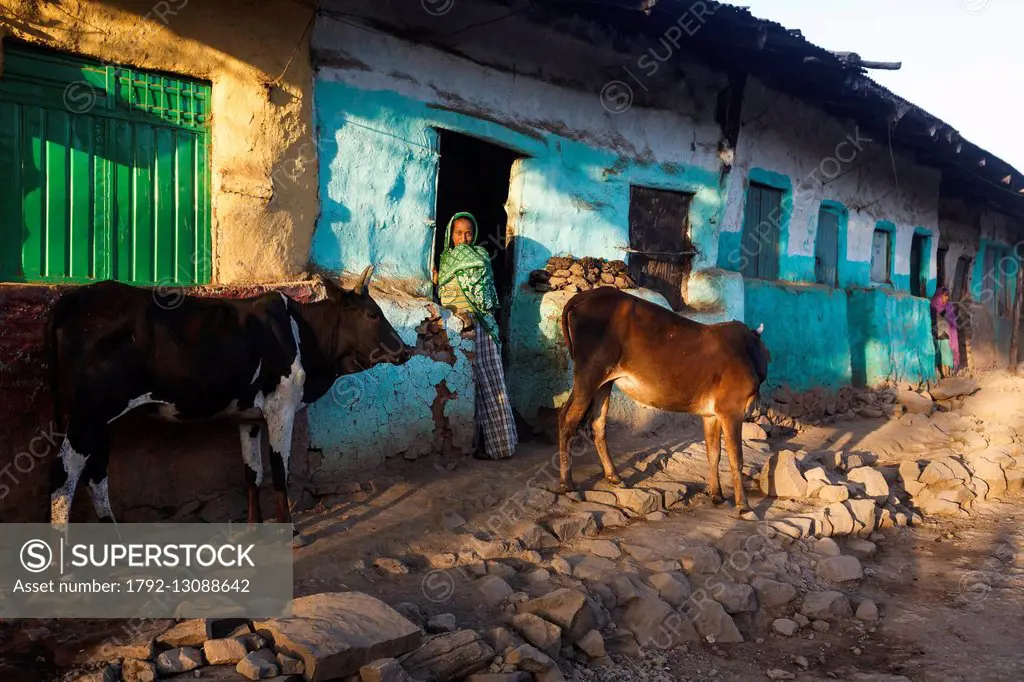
[335,633]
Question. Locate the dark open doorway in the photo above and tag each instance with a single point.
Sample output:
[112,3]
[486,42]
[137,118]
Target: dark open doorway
[473,176]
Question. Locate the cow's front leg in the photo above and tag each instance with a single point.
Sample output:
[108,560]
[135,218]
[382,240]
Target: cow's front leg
[280,416]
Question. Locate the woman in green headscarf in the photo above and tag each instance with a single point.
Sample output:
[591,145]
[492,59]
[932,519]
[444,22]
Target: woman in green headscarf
[465,284]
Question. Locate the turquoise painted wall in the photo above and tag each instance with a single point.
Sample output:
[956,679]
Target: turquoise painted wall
[387,409]
[378,163]
[890,337]
[805,329]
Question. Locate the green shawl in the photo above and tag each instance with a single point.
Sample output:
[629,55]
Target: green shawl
[470,266]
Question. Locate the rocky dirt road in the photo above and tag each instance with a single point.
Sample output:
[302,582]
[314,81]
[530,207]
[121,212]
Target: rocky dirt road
[889,548]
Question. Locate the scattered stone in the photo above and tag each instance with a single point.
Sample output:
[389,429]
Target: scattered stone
[627,589]
[290,666]
[833,493]
[860,547]
[544,635]
[641,553]
[820,626]
[673,588]
[915,402]
[873,481]
[657,516]
[134,670]
[501,570]
[840,568]
[561,566]
[602,548]
[672,492]
[179,660]
[533,536]
[714,624]
[142,645]
[389,566]
[622,643]
[593,568]
[771,593]
[493,589]
[867,611]
[655,624]
[442,560]
[953,387]
[567,608]
[500,639]
[383,670]
[753,431]
[188,633]
[449,656]
[662,566]
[827,547]
[256,666]
[334,633]
[604,497]
[785,627]
[736,597]
[222,651]
[802,620]
[452,520]
[829,605]
[700,559]
[442,622]
[781,477]
[863,512]
[517,676]
[780,674]
[592,644]
[530,659]
[573,527]
[637,500]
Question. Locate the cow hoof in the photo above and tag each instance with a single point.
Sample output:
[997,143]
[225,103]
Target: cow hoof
[746,514]
[616,481]
[299,540]
[717,500]
[565,489]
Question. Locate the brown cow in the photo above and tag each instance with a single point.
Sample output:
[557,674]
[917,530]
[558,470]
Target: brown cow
[662,360]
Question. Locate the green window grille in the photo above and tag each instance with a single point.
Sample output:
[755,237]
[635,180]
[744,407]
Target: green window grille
[105,172]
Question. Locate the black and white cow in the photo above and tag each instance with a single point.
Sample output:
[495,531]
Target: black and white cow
[116,348]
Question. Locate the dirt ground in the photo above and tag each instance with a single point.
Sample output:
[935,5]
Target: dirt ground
[950,592]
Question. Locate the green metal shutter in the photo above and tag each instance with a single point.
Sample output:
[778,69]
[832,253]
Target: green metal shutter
[826,262]
[762,220]
[105,172]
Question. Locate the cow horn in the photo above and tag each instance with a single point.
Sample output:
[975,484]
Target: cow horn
[760,329]
[364,280]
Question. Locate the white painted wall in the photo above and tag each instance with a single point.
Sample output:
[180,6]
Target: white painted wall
[784,135]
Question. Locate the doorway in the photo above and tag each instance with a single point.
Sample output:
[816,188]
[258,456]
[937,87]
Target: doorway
[474,176]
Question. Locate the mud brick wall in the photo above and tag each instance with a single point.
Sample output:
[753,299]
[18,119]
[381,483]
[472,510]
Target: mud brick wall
[158,469]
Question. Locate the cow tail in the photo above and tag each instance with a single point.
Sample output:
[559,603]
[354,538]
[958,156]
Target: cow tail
[566,330]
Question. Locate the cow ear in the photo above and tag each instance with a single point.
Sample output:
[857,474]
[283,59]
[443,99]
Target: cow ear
[760,329]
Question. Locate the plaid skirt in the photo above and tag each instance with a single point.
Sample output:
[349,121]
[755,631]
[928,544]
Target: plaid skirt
[494,420]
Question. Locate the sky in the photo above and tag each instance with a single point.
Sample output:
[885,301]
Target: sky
[961,58]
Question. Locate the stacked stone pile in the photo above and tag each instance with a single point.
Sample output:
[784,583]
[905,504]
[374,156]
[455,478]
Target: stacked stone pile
[571,274]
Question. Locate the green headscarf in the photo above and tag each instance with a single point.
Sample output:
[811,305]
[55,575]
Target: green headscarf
[470,266]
